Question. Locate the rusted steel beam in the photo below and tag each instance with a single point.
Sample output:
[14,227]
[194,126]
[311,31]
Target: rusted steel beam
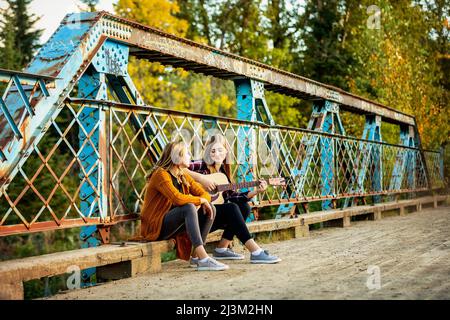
[46,226]
[27,78]
[85,48]
[125,106]
[154,40]
[267,203]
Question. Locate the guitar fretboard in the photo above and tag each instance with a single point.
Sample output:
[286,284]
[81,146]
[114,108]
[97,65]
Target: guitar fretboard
[236,186]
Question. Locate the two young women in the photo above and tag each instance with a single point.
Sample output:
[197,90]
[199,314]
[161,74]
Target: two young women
[177,206]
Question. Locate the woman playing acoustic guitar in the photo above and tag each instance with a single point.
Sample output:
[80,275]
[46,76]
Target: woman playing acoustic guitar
[232,214]
[171,201]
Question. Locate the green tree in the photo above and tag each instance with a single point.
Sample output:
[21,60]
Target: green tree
[393,66]
[234,26]
[280,29]
[164,86]
[258,30]
[323,54]
[198,14]
[19,40]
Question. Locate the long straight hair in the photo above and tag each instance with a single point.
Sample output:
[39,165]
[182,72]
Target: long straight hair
[170,157]
[218,138]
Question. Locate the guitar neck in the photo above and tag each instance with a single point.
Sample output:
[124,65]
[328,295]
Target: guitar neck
[236,186]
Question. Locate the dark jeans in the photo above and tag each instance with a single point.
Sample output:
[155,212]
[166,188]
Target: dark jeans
[187,218]
[231,218]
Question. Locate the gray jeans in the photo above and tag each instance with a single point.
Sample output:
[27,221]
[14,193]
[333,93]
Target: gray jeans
[187,218]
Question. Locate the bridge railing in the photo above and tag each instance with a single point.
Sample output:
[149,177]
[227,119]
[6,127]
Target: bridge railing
[85,173]
[435,165]
[20,92]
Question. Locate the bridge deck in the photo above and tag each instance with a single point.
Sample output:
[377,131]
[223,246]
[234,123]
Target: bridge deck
[412,253]
[116,262]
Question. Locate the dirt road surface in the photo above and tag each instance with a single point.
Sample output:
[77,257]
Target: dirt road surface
[411,255]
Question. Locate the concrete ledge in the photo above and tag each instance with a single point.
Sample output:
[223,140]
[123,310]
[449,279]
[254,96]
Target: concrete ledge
[260,226]
[140,256]
[130,268]
[335,217]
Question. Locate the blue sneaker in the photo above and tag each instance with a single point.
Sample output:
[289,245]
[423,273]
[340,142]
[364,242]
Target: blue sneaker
[193,262]
[211,265]
[227,255]
[264,257]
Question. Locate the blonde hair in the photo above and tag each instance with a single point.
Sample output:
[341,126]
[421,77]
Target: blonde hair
[172,153]
[218,138]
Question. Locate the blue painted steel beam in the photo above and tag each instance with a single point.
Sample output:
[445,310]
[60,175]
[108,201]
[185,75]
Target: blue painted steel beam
[43,87]
[112,59]
[331,123]
[61,60]
[10,120]
[368,157]
[327,152]
[403,162]
[324,118]
[377,178]
[92,85]
[246,138]
[251,106]
[23,95]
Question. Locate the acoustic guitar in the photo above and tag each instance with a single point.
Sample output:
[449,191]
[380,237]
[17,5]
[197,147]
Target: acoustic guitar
[222,184]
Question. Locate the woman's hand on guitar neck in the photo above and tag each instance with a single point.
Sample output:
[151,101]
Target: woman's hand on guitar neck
[261,188]
[207,209]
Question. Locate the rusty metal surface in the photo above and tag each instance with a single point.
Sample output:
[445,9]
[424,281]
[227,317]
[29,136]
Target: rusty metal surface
[62,60]
[125,106]
[73,46]
[165,48]
[26,78]
[126,161]
[8,230]
[29,204]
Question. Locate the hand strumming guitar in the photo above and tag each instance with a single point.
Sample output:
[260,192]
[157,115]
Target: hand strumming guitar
[207,209]
[209,185]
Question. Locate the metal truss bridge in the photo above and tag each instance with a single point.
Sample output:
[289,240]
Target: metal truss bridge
[74,121]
